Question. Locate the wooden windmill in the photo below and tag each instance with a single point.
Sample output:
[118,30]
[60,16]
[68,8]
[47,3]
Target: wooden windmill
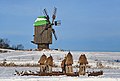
[43,30]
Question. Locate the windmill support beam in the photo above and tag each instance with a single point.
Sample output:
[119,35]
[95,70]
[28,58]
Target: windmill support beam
[43,46]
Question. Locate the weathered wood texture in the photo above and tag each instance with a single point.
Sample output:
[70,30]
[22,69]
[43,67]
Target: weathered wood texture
[45,37]
[43,46]
[95,73]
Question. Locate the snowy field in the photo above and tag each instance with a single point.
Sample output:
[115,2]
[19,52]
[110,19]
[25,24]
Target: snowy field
[110,61]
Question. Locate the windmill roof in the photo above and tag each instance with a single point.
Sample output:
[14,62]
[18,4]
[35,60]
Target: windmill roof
[41,16]
[41,20]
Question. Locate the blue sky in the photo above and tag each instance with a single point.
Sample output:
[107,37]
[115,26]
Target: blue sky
[86,24]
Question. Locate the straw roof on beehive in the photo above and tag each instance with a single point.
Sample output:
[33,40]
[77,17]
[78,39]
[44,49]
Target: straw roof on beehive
[63,62]
[83,60]
[69,59]
[49,61]
[42,59]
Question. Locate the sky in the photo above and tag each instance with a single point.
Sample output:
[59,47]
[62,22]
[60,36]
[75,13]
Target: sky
[92,25]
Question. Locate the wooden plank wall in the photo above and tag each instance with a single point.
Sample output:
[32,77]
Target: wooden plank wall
[46,36]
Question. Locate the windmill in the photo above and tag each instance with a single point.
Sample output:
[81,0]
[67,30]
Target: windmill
[43,29]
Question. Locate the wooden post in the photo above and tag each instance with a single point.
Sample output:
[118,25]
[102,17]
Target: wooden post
[69,69]
[82,69]
[43,46]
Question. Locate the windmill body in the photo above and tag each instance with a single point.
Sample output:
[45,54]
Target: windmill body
[43,30]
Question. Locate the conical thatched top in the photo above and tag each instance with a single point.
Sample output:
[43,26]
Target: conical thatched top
[69,59]
[49,61]
[83,59]
[42,59]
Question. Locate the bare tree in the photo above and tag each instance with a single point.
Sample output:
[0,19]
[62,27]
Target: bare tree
[20,47]
[4,43]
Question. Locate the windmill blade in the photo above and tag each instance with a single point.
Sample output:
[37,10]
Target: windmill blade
[54,34]
[42,31]
[48,26]
[55,10]
[45,13]
[54,14]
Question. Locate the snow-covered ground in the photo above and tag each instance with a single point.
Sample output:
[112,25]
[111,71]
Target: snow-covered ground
[110,61]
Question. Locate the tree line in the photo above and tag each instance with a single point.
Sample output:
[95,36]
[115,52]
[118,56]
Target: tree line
[5,44]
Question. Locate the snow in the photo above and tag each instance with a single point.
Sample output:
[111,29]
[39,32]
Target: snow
[6,50]
[62,78]
[111,67]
